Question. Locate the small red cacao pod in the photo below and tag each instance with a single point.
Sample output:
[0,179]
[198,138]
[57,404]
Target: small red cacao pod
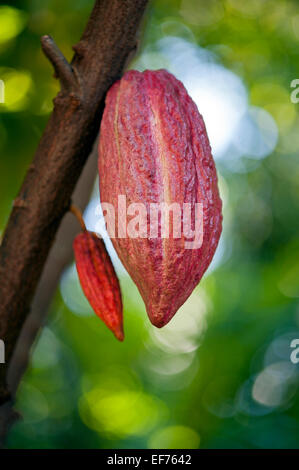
[99,281]
[154,148]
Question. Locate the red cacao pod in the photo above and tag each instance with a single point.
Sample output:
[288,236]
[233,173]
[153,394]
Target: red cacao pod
[99,281]
[154,148]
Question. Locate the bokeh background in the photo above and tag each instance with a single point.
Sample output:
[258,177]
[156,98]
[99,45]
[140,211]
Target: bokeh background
[219,375]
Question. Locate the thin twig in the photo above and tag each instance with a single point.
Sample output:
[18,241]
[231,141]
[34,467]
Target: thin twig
[63,70]
[78,214]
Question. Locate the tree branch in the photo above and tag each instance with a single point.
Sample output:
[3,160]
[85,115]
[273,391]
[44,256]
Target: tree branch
[46,192]
[60,255]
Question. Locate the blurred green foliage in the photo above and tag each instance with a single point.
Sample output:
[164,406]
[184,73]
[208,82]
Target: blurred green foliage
[220,374]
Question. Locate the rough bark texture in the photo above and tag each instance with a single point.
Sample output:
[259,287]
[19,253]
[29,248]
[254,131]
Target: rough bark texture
[44,198]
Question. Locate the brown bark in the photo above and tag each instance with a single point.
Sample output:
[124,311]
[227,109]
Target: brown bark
[60,255]
[45,195]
